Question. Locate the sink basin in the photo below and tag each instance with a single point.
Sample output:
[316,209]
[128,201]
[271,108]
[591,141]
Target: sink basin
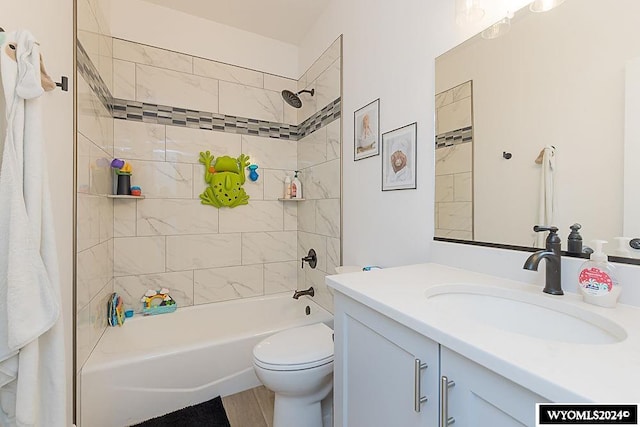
[521,312]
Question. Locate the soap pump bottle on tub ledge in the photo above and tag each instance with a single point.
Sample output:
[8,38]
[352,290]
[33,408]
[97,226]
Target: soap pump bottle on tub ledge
[597,281]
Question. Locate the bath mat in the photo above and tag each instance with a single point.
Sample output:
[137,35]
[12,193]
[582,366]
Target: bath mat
[206,414]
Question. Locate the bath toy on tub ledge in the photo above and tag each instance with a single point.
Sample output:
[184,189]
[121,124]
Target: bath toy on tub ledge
[158,302]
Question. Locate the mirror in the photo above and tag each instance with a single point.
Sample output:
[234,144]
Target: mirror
[567,79]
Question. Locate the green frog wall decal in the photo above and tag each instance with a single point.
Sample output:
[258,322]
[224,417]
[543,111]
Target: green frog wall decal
[225,178]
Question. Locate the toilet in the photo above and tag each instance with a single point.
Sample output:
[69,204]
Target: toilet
[297,365]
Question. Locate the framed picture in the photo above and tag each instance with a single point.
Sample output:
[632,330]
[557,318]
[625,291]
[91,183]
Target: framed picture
[366,129]
[399,158]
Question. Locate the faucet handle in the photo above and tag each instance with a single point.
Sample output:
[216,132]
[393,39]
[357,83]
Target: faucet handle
[539,228]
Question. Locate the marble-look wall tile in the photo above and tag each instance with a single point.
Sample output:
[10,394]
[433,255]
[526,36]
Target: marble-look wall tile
[274,183]
[444,98]
[280,277]
[290,215]
[463,188]
[94,121]
[309,103]
[275,246]
[138,141]
[166,87]
[333,255]
[307,216]
[132,288]
[455,216]
[290,115]
[254,189]
[100,172]
[462,91]
[124,218]
[323,296]
[138,255]
[246,101]
[308,241]
[454,159]
[222,284]
[84,164]
[88,221]
[444,188]
[98,313]
[184,144]
[256,216]
[271,153]
[163,180]
[175,216]
[312,149]
[124,79]
[328,85]
[227,73]
[328,217]
[84,332]
[334,146]
[148,55]
[278,84]
[203,251]
[456,115]
[93,273]
[325,60]
[322,181]
[105,215]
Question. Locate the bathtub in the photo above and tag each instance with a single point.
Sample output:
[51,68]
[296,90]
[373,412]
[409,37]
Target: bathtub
[158,364]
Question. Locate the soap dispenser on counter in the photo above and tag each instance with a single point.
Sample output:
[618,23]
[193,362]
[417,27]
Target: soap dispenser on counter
[597,281]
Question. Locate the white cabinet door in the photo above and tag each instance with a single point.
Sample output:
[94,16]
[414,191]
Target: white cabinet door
[376,366]
[482,398]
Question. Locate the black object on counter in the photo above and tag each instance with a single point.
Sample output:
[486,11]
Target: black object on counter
[574,241]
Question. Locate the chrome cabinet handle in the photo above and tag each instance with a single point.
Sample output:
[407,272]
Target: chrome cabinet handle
[418,400]
[445,385]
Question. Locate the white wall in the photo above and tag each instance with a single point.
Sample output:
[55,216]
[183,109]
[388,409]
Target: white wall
[154,25]
[389,52]
[53,26]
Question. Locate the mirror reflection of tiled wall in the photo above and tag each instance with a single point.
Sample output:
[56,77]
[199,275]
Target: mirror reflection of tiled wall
[454,163]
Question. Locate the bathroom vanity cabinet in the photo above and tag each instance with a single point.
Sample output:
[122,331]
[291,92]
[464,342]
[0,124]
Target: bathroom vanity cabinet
[387,374]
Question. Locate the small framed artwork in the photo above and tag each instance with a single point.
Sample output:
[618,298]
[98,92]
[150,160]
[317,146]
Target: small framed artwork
[399,158]
[366,129]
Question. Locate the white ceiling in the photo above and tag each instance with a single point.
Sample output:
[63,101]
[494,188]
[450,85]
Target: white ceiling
[284,20]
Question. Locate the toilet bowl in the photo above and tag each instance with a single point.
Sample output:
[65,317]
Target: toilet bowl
[297,365]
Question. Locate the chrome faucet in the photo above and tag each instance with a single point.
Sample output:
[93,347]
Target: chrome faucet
[553,255]
[298,294]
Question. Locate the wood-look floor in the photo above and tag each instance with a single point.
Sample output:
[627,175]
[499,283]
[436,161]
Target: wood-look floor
[250,408]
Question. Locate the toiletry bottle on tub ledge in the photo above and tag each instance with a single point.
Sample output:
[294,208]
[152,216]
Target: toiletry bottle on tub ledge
[597,281]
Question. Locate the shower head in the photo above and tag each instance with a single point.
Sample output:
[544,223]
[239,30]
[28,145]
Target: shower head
[293,99]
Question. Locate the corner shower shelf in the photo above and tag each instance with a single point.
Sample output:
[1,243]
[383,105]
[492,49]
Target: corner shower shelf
[122,196]
[291,200]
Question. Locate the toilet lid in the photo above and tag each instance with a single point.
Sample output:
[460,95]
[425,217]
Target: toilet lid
[298,348]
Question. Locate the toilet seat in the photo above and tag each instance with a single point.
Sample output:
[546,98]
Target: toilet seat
[296,349]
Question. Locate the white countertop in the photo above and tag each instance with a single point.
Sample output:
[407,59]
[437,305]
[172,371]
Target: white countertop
[558,371]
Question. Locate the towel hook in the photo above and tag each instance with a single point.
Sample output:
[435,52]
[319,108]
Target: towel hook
[64,84]
[506,155]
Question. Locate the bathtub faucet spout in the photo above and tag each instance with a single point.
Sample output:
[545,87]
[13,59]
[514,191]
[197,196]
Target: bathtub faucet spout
[298,294]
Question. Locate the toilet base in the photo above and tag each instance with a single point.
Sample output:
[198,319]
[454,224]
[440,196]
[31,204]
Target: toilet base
[291,412]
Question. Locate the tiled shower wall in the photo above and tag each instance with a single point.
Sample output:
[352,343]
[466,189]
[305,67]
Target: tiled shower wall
[94,277]
[170,239]
[454,163]
[319,162]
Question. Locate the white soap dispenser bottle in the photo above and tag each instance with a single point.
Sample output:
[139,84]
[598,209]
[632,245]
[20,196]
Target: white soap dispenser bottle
[597,281]
[296,187]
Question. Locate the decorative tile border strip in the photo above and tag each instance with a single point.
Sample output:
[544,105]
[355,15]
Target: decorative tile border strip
[125,109]
[454,137]
[320,119]
[92,77]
